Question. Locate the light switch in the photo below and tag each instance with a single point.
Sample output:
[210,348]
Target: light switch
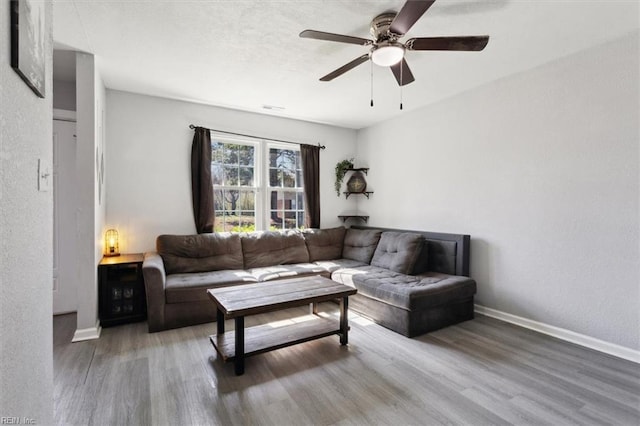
[44,175]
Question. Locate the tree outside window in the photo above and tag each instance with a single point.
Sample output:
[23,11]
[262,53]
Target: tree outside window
[233,169]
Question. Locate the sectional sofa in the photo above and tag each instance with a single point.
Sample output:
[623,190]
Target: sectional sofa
[408,281]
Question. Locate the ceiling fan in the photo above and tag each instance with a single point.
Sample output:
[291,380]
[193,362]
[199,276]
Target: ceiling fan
[387,51]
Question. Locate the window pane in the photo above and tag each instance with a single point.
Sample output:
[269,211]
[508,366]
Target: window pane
[300,205]
[287,159]
[300,219]
[246,176]
[217,149]
[273,157]
[276,222]
[246,155]
[230,175]
[288,178]
[247,222]
[217,173]
[290,220]
[231,198]
[291,200]
[218,200]
[219,223]
[230,153]
[247,200]
[275,178]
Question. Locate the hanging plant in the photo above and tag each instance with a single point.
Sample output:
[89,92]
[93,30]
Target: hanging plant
[341,170]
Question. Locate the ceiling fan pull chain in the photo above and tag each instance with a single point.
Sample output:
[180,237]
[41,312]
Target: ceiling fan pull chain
[371,83]
[401,67]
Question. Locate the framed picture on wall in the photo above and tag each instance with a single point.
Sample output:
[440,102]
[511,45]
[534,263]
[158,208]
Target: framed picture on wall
[27,42]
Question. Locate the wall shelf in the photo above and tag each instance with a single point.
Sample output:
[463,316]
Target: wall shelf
[365,193]
[346,217]
[356,215]
[360,169]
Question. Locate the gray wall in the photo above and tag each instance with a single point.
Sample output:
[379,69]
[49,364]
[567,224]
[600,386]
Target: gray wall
[542,169]
[26,370]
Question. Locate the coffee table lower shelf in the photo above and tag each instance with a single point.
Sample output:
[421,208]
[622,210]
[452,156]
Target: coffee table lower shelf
[268,337]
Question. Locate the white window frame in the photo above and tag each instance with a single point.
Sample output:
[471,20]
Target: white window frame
[261,180]
[267,183]
[257,173]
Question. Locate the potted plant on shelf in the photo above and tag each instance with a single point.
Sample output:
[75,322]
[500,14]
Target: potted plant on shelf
[341,170]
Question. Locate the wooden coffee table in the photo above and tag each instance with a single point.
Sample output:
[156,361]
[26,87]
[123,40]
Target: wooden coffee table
[249,299]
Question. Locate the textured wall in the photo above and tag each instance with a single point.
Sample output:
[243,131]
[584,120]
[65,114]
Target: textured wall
[26,216]
[148,162]
[541,168]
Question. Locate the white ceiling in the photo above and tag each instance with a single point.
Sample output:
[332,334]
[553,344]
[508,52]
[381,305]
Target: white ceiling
[245,54]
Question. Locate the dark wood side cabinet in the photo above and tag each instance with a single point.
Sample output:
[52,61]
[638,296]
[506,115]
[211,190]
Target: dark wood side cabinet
[121,290]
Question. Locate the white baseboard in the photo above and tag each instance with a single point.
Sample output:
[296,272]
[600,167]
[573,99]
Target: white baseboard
[563,334]
[87,333]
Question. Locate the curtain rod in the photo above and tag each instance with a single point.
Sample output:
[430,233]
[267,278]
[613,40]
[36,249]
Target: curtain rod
[191,126]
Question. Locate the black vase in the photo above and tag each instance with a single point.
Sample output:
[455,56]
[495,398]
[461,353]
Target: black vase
[356,183]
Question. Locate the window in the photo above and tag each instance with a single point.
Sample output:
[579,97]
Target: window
[286,194]
[233,170]
[257,185]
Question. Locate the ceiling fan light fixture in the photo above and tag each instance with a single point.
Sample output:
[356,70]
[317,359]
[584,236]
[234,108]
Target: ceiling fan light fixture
[387,54]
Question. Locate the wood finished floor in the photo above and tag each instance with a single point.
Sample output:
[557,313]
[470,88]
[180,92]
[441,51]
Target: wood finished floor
[481,372]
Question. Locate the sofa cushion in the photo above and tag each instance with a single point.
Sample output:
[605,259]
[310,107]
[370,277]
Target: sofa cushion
[324,244]
[432,289]
[351,275]
[398,251]
[266,248]
[408,292]
[335,264]
[192,287]
[269,273]
[359,244]
[200,253]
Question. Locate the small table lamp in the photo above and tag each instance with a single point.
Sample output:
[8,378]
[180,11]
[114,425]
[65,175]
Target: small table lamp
[111,247]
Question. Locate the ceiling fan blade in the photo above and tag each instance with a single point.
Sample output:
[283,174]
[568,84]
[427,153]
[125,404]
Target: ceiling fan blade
[409,15]
[321,35]
[470,43]
[346,67]
[407,75]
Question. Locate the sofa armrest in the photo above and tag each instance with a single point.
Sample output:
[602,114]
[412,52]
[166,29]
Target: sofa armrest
[155,280]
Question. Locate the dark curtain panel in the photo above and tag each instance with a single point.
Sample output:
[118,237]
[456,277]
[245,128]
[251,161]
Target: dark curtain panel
[311,172]
[201,184]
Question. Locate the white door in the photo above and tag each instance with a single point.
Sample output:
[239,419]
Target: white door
[65,297]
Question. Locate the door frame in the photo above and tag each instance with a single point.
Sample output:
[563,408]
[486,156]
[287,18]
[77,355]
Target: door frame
[69,116]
